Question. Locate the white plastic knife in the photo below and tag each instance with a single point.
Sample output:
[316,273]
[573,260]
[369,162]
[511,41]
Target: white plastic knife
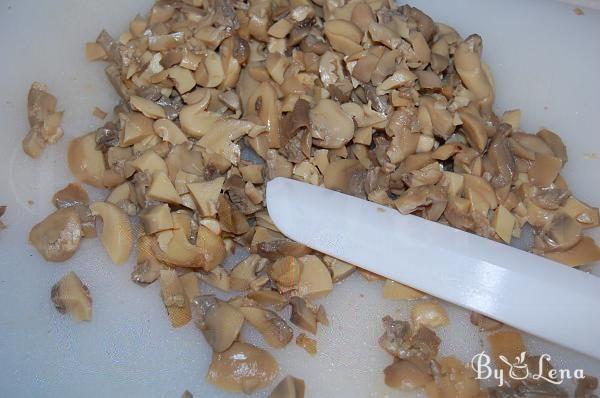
[521,289]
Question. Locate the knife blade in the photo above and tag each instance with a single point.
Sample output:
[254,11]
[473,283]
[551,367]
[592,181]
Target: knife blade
[526,291]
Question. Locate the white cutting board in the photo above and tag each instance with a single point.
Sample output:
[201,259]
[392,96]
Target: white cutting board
[545,59]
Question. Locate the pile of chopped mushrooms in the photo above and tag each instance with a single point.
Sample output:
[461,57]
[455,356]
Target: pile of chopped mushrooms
[363,97]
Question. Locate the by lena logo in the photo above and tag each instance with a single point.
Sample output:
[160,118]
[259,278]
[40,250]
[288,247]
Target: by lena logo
[521,369]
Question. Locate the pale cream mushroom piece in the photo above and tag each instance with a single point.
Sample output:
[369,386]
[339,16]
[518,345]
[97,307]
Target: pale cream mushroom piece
[244,272]
[268,297]
[242,368]
[148,108]
[116,235]
[276,332]
[44,122]
[162,189]
[302,315]
[174,298]
[57,237]
[338,269]
[396,291]
[345,175]
[343,36]
[584,252]
[467,60]
[156,218]
[206,194]
[70,295]
[429,313]
[150,162]
[85,161]
[544,170]
[71,195]
[219,321]
[406,376]
[315,279]
[285,272]
[308,344]
[217,277]
[137,128]
[289,387]
[169,131]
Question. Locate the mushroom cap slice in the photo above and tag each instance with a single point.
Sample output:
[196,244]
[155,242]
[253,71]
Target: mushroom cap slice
[85,161]
[58,236]
[315,279]
[289,387]
[220,322]
[117,235]
[331,127]
[276,332]
[302,315]
[70,295]
[406,376]
[242,368]
[71,195]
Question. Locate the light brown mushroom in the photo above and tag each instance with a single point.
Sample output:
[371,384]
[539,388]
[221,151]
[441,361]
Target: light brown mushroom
[285,272]
[244,273]
[561,233]
[276,332]
[484,323]
[308,344]
[44,121]
[289,387]
[315,280]
[584,252]
[57,237]
[430,314]
[174,298]
[70,295]
[544,170]
[242,368]
[71,195]
[156,219]
[396,291]
[85,161]
[117,235]
[338,269]
[302,315]
[406,376]
[219,321]
[470,69]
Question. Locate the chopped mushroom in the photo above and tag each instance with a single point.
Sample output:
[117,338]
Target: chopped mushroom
[57,237]
[484,323]
[70,295]
[430,314]
[174,298]
[276,332]
[219,321]
[44,121]
[242,368]
[308,344]
[289,387]
[302,315]
[117,235]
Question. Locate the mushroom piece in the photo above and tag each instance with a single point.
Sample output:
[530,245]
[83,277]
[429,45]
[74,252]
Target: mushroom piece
[85,161]
[561,233]
[396,291]
[544,170]
[330,126]
[156,219]
[70,295]
[244,273]
[484,323]
[116,235]
[174,298]
[268,297]
[406,376]
[44,122]
[276,332]
[219,321]
[57,237]
[242,368]
[302,315]
[289,387]
[71,195]
[584,252]
[315,279]
[285,272]
[430,314]
[148,108]
[467,59]
[308,344]
[338,269]
[404,342]
[347,176]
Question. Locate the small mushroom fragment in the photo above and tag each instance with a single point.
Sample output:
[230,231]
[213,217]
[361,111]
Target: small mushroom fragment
[2,211]
[148,108]
[330,126]
[206,195]
[406,376]
[584,252]
[85,161]
[70,295]
[71,195]
[396,291]
[244,273]
[116,236]
[302,315]
[315,279]
[57,237]
[276,332]
[561,233]
[268,297]
[404,342]
[508,343]
[44,121]
[289,387]
[484,323]
[219,321]
[430,314]
[309,344]
[147,268]
[174,298]
[285,272]
[544,170]
[338,269]
[242,368]
[156,219]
